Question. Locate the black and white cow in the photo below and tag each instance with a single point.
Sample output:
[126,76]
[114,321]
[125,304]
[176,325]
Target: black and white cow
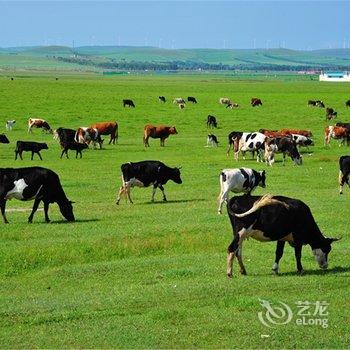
[162,99]
[129,103]
[344,172]
[275,218]
[251,142]
[146,173]
[302,141]
[179,100]
[35,183]
[212,140]
[284,145]
[29,146]
[4,139]
[243,180]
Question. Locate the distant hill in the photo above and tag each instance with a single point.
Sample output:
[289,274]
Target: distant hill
[114,57]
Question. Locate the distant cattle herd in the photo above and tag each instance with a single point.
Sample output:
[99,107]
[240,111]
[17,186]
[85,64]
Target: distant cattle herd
[265,218]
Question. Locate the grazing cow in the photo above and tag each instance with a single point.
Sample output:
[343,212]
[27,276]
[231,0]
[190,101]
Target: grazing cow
[4,139]
[287,132]
[232,137]
[344,172]
[337,133]
[161,99]
[10,124]
[191,99]
[39,123]
[347,103]
[317,103]
[330,113]
[243,180]
[211,122]
[146,173]
[225,101]
[232,105]
[344,125]
[302,141]
[212,140]
[107,128]
[29,146]
[35,183]
[275,218]
[161,132]
[179,100]
[87,135]
[255,102]
[181,105]
[74,146]
[251,142]
[128,103]
[284,145]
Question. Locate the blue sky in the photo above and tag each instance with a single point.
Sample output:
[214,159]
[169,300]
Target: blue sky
[177,24]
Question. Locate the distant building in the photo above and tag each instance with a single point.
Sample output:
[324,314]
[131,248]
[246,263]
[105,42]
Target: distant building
[335,76]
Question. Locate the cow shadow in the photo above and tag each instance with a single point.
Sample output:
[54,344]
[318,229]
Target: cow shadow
[78,221]
[176,201]
[319,272]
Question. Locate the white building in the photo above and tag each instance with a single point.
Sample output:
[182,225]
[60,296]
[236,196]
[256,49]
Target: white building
[335,76]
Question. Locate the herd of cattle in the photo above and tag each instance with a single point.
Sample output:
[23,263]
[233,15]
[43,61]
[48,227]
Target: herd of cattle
[265,218]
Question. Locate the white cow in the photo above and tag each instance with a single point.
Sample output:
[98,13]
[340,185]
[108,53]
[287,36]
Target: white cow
[179,100]
[243,180]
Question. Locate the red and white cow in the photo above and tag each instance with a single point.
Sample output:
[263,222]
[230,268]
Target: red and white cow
[337,133]
[87,135]
[39,123]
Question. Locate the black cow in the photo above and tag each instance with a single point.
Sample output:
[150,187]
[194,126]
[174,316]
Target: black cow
[284,145]
[330,113]
[344,172]
[211,122]
[275,218]
[191,99]
[255,102]
[347,103]
[162,99]
[128,103]
[74,146]
[29,146]
[146,173]
[4,139]
[64,135]
[35,183]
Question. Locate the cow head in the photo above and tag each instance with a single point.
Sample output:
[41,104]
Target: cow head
[321,253]
[66,209]
[175,176]
[309,142]
[173,130]
[262,179]
[44,146]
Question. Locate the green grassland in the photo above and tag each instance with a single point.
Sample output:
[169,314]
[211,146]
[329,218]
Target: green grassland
[154,274]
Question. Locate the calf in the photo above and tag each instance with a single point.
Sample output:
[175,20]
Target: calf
[162,99]
[144,174]
[181,105]
[10,124]
[161,132]
[35,183]
[275,218]
[29,146]
[4,139]
[284,145]
[128,103]
[212,140]
[317,103]
[74,146]
[211,122]
[244,180]
[39,123]
[255,102]
[191,99]
[344,172]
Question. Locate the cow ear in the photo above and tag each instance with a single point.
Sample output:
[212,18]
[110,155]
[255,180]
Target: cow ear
[71,202]
[331,240]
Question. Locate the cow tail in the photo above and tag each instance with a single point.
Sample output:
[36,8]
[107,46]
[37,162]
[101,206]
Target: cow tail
[76,137]
[265,200]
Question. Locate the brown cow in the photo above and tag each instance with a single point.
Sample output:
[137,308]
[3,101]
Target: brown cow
[39,123]
[107,128]
[305,133]
[161,132]
[337,133]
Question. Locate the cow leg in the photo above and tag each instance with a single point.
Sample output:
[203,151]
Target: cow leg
[35,208]
[297,251]
[222,199]
[46,211]
[154,191]
[3,207]
[16,154]
[231,251]
[162,189]
[240,261]
[278,255]
[31,158]
[39,156]
[341,182]
[128,193]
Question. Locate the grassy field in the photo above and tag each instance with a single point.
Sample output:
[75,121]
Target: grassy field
[154,274]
